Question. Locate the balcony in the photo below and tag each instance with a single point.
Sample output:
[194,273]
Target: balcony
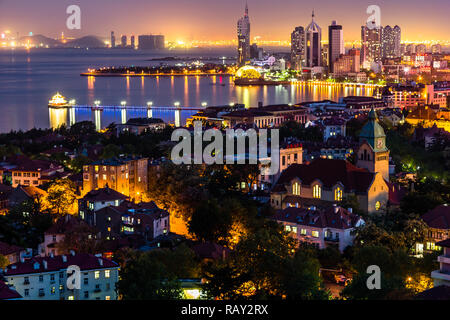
[440,275]
[444,259]
[331,239]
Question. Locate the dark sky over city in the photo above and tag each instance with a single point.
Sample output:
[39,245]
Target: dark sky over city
[216,20]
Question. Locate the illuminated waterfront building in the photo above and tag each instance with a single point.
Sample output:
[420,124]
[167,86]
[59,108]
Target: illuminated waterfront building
[123,41]
[370,45]
[347,63]
[335,44]
[436,48]
[297,48]
[133,44]
[410,48]
[421,48]
[113,40]
[313,34]
[243,33]
[151,42]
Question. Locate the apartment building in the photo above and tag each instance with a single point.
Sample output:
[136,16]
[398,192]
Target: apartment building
[45,278]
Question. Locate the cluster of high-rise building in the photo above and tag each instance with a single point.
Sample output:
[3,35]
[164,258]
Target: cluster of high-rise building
[145,42]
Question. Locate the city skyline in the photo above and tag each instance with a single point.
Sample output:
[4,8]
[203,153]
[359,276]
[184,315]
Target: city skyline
[202,20]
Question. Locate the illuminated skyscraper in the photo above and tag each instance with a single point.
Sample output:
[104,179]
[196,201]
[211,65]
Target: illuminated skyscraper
[313,35]
[370,45]
[123,41]
[133,45]
[113,40]
[335,44]
[298,48]
[391,42]
[243,33]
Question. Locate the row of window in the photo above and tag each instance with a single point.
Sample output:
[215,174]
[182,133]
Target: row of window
[25,174]
[317,191]
[107,274]
[303,232]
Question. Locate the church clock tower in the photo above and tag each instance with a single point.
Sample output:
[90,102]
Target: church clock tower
[373,153]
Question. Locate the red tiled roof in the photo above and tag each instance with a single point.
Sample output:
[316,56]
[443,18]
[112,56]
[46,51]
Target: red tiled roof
[333,217]
[438,218]
[7,249]
[64,224]
[7,293]
[83,260]
[104,194]
[329,172]
[24,163]
[210,250]
[396,193]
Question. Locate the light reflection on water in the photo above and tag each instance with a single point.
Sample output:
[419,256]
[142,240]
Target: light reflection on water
[29,79]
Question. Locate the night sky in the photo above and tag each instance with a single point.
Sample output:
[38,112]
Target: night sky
[216,20]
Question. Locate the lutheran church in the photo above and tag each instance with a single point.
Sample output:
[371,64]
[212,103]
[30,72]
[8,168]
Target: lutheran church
[324,182]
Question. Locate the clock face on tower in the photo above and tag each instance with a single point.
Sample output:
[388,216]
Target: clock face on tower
[379,143]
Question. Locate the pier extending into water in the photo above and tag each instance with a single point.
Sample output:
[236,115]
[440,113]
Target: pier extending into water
[56,112]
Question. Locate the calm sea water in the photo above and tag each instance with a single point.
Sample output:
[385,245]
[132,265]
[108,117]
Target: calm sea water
[28,79]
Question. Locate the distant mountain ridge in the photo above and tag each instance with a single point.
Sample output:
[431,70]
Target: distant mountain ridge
[40,40]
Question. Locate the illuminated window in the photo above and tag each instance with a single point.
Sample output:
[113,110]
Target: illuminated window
[317,191]
[315,234]
[296,188]
[107,298]
[303,232]
[338,194]
[288,228]
[294,229]
[70,298]
[377,205]
[97,274]
[107,273]
[104,177]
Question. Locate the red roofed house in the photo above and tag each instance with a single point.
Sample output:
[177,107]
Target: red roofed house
[332,226]
[8,293]
[128,218]
[30,172]
[326,181]
[11,252]
[438,222]
[97,199]
[56,233]
[46,278]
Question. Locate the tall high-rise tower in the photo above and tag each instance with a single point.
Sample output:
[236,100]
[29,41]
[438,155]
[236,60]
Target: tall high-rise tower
[370,45]
[391,42]
[335,44]
[243,33]
[113,39]
[313,36]
[298,48]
